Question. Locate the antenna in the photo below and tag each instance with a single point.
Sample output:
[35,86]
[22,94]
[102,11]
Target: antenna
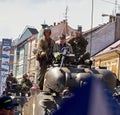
[115,6]
[118,8]
[66,20]
[66,13]
[44,22]
[115,3]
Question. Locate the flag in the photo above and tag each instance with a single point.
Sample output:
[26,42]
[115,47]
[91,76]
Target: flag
[92,99]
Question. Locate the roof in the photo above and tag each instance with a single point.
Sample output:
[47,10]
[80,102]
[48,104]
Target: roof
[94,29]
[28,32]
[102,37]
[61,28]
[33,30]
[113,47]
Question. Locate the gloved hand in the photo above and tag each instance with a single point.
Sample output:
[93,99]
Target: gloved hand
[43,54]
[41,57]
[58,56]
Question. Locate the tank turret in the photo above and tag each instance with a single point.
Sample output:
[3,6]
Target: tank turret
[55,79]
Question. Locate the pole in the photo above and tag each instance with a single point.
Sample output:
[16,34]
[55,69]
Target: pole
[92,12]
[66,13]
[115,6]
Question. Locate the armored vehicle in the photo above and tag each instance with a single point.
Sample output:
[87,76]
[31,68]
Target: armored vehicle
[62,78]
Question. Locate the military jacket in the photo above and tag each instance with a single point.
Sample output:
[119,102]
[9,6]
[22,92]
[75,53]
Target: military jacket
[58,47]
[11,81]
[79,45]
[27,83]
[45,45]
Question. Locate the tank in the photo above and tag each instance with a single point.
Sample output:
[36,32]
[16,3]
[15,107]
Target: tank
[62,78]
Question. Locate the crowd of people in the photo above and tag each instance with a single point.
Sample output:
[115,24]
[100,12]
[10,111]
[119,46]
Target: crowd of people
[13,86]
[46,49]
[45,56]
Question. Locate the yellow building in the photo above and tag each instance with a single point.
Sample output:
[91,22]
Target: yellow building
[110,58]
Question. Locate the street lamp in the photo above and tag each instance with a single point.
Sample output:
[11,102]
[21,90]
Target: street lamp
[111,17]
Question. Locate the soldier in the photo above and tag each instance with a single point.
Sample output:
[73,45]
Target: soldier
[26,84]
[62,44]
[44,54]
[79,44]
[11,83]
[59,47]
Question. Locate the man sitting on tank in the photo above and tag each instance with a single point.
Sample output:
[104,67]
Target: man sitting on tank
[79,45]
[60,46]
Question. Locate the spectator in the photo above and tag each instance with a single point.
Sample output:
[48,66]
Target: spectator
[7,106]
[11,82]
[26,84]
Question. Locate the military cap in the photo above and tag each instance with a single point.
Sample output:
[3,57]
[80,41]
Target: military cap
[62,36]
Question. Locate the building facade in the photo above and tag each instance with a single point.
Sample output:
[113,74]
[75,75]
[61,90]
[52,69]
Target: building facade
[24,53]
[102,36]
[109,58]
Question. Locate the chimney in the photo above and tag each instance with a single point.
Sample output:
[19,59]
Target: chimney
[54,23]
[79,28]
[117,27]
[111,18]
[64,21]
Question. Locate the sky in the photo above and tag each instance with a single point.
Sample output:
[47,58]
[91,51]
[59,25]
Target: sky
[15,15]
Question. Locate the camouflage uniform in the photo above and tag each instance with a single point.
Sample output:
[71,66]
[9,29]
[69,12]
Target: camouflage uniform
[26,85]
[11,83]
[79,45]
[44,56]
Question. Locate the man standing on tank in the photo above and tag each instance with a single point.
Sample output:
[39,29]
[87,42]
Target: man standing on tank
[44,54]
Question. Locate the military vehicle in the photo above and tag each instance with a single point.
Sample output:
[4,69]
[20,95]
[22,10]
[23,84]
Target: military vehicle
[62,78]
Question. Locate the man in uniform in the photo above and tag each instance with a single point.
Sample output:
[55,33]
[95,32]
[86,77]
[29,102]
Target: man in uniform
[44,54]
[26,84]
[60,46]
[79,44]
[11,83]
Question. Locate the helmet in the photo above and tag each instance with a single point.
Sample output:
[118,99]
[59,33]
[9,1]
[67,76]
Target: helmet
[47,29]
[55,80]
